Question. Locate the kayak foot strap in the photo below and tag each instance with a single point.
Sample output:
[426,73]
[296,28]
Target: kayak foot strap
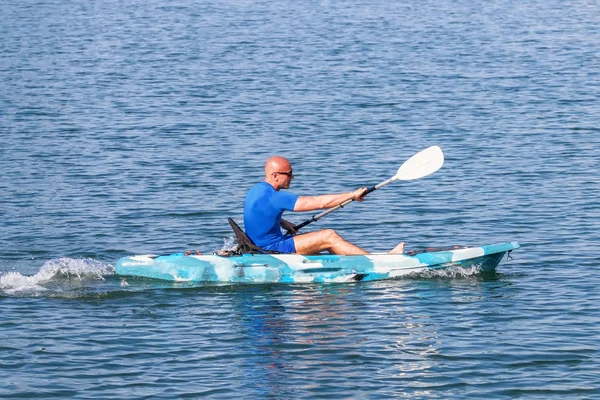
[433,249]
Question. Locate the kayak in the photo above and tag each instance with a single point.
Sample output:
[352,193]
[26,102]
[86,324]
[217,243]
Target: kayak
[295,268]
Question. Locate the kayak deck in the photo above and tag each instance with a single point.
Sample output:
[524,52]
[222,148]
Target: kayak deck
[294,268]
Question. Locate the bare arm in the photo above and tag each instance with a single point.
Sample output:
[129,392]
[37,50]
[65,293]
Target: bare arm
[311,203]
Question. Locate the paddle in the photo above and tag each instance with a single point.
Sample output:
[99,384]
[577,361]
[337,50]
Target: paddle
[424,163]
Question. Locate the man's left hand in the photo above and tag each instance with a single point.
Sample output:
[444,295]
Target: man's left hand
[288,226]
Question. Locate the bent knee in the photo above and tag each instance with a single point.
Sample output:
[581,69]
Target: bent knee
[330,234]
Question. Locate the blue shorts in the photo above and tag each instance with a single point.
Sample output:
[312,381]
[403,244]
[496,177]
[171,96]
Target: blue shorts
[285,246]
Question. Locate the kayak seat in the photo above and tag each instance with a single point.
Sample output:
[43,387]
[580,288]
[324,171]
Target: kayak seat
[245,244]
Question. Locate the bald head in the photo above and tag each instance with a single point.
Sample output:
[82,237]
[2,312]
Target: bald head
[277,164]
[278,172]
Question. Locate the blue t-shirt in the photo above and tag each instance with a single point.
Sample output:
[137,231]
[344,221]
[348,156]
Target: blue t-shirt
[262,213]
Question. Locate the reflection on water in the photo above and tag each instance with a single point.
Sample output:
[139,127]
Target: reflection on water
[265,325]
[332,329]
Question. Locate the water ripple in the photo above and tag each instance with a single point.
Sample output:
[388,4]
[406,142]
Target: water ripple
[139,129]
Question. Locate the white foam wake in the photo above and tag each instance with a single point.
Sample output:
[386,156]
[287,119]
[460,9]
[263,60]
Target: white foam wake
[229,244]
[451,272]
[53,271]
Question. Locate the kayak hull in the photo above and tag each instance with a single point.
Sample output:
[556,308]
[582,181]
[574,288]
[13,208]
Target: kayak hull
[294,268]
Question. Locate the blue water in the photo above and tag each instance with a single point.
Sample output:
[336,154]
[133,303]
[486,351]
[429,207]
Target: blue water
[137,127]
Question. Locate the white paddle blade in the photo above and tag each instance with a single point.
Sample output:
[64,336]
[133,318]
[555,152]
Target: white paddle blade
[423,163]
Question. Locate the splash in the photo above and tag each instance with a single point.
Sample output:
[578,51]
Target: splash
[55,272]
[229,244]
[450,273]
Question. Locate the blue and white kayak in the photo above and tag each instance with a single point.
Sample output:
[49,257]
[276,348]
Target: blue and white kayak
[294,268]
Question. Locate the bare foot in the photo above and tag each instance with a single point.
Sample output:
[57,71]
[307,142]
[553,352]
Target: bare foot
[398,249]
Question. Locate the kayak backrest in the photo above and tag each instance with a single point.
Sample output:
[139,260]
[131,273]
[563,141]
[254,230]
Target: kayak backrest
[246,245]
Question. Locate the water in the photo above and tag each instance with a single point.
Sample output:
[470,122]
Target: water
[137,127]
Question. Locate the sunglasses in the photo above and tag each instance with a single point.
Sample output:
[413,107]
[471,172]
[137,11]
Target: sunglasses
[286,173]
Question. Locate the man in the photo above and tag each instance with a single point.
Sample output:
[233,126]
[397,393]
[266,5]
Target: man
[265,204]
